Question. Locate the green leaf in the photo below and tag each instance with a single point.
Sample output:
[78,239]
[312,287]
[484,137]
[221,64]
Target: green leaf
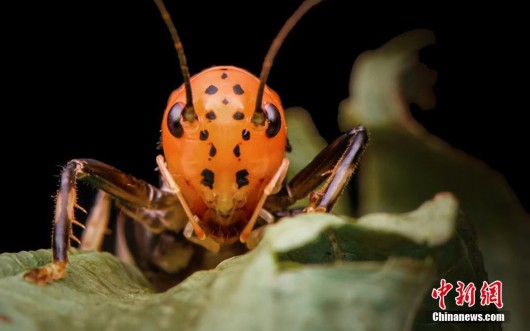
[404,164]
[310,272]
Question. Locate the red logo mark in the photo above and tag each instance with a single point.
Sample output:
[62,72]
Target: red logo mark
[491,293]
[441,292]
[465,294]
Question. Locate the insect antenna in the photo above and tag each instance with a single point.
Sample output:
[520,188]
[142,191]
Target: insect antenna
[258,118]
[188,114]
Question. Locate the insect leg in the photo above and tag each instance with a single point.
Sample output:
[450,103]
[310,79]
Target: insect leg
[96,223]
[332,167]
[324,199]
[272,187]
[169,181]
[122,249]
[127,190]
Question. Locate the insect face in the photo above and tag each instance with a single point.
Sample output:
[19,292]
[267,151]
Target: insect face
[222,161]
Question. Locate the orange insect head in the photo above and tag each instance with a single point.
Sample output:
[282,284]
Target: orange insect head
[221,161]
[224,136]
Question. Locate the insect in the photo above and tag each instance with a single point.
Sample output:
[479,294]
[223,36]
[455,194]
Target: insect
[224,138]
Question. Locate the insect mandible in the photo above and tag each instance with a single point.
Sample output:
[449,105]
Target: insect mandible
[224,137]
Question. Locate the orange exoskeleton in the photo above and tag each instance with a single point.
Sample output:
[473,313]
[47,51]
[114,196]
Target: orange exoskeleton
[233,159]
[224,137]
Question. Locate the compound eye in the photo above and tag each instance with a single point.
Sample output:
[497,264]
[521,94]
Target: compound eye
[274,119]
[173,119]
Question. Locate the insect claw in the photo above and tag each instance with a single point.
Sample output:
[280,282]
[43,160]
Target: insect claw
[315,197]
[74,238]
[326,173]
[313,209]
[81,208]
[46,274]
[76,222]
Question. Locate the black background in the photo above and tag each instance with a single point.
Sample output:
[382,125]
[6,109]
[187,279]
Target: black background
[91,79]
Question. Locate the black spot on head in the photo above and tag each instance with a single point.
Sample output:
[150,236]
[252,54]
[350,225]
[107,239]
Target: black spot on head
[237,152]
[246,134]
[238,115]
[238,89]
[241,178]
[213,151]
[211,90]
[207,178]
[204,135]
[225,102]
[211,115]
[224,75]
